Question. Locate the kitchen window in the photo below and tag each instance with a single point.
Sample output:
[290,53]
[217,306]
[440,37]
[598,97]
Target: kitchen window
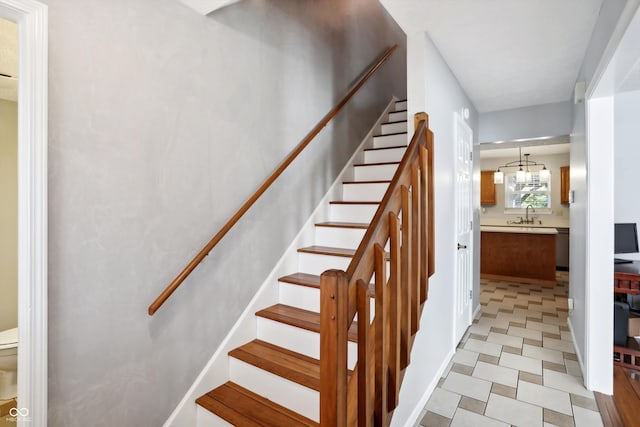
[517,196]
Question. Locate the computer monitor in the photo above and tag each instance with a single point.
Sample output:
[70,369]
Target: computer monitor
[626,238]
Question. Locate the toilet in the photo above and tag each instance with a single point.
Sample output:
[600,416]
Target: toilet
[8,363]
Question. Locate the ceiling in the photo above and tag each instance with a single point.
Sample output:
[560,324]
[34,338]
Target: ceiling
[8,60]
[506,53]
[560,145]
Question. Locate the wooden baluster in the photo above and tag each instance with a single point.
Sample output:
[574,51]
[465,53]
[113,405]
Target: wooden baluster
[430,204]
[395,310]
[382,368]
[405,289]
[425,221]
[333,348]
[364,380]
[417,262]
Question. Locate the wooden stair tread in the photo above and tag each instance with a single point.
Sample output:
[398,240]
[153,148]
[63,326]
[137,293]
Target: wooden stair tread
[326,250]
[386,148]
[303,319]
[280,361]
[376,164]
[335,224]
[242,407]
[302,279]
[394,122]
[349,202]
[313,281]
[391,134]
[399,111]
[377,181]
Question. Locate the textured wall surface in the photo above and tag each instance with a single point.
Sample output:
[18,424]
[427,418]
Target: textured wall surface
[8,214]
[162,122]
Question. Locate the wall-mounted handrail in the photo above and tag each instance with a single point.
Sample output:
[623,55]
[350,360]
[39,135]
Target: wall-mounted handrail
[404,221]
[266,184]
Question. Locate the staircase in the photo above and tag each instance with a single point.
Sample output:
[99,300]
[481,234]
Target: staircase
[275,379]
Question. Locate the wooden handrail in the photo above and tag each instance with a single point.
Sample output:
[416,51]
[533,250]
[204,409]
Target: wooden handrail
[371,394]
[266,184]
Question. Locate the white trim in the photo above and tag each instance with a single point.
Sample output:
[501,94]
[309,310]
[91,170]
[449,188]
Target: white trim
[32,19]
[417,411]
[216,371]
[477,311]
[599,250]
[619,56]
[575,346]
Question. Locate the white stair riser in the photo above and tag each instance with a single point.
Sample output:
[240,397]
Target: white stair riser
[394,140]
[291,395]
[318,264]
[393,128]
[387,155]
[375,172]
[204,418]
[305,297]
[400,105]
[396,117]
[373,192]
[338,237]
[352,213]
[298,340]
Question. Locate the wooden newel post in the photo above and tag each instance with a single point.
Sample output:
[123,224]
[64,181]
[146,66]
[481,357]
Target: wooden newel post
[333,348]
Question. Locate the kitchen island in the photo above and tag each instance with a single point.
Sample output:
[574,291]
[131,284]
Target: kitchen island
[520,254]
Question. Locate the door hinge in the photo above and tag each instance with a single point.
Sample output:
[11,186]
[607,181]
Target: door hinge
[471,155]
[471,294]
[471,225]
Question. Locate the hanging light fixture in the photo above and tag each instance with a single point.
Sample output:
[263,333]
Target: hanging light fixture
[523,174]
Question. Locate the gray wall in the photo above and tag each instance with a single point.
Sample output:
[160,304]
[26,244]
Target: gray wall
[434,89]
[8,214]
[162,122]
[526,122]
[626,157]
[607,20]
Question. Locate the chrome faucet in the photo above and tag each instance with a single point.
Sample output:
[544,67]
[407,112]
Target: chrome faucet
[526,212]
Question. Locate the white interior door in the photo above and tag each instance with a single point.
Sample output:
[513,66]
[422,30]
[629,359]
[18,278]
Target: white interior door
[463,218]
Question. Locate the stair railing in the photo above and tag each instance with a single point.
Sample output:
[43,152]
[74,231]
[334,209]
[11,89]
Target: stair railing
[157,303]
[404,222]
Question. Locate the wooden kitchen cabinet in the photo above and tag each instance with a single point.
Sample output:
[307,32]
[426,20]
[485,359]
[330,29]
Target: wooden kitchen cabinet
[487,188]
[564,185]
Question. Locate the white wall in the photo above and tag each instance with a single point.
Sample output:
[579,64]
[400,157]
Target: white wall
[8,214]
[162,123]
[553,163]
[626,158]
[433,88]
[527,122]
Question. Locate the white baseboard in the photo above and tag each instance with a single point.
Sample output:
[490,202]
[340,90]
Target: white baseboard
[415,414]
[216,371]
[580,363]
[477,311]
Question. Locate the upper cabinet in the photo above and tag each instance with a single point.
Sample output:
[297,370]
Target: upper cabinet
[564,185]
[487,188]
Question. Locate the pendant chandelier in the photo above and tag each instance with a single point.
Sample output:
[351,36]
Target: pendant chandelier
[523,174]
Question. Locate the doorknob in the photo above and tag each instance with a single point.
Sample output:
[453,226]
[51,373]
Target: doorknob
[461,246]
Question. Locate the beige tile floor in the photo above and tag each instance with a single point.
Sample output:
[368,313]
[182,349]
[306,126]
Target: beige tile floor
[516,365]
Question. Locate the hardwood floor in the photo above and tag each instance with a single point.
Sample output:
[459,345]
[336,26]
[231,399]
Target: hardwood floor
[623,409]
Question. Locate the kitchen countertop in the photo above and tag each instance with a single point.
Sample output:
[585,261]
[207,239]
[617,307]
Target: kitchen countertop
[512,229]
[547,222]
